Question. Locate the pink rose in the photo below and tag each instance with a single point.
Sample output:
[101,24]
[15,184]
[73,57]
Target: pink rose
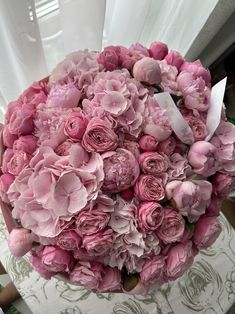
[5,182]
[149,188]
[203,157]
[172,227]
[87,274]
[147,70]
[37,264]
[99,137]
[20,242]
[190,197]
[75,126]
[207,230]
[222,184]
[133,147]
[56,260]
[18,162]
[168,146]
[7,155]
[150,216]
[69,240]
[215,206]
[174,58]
[63,96]
[111,280]
[148,143]
[158,50]
[109,57]
[90,222]
[197,69]
[26,144]
[153,269]
[179,259]
[8,137]
[153,163]
[98,243]
[121,170]
[198,127]
[64,148]
[21,121]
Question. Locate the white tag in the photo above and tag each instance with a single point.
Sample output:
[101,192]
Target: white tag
[216,104]
[177,122]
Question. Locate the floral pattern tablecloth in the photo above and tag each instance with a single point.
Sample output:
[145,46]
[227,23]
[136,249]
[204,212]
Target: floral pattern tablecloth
[208,287]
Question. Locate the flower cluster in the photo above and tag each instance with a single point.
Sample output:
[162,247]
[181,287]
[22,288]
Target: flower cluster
[102,188]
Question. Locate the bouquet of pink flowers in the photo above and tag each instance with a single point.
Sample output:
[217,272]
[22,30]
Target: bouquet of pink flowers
[114,168]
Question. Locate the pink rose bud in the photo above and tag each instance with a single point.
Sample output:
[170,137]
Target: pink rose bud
[75,126]
[204,158]
[56,260]
[121,170]
[148,71]
[198,127]
[99,137]
[98,243]
[37,264]
[18,162]
[8,137]
[153,163]
[150,216]
[158,50]
[197,69]
[27,144]
[109,58]
[168,146]
[153,269]
[63,96]
[20,242]
[179,259]
[148,143]
[223,184]
[172,227]
[149,188]
[111,280]
[64,148]
[127,194]
[174,58]
[69,240]
[207,230]
[90,222]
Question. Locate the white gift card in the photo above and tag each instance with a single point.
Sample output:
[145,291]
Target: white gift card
[215,109]
[176,120]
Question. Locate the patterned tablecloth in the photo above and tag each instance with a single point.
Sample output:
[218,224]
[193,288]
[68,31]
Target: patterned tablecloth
[208,287]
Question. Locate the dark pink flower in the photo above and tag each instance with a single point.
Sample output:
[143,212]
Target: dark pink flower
[68,240]
[98,243]
[153,163]
[158,50]
[75,126]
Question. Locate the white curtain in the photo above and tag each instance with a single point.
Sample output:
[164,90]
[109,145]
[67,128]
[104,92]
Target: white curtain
[35,35]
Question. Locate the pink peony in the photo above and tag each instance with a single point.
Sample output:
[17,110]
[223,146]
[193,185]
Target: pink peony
[167,147]
[68,240]
[150,216]
[18,162]
[226,132]
[20,242]
[149,188]
[37,264]
[222,184]
[7,155]
[197,69]
[90,222]
[26,144]
[147,70]
[34,94]
[169,75]
[133,147]
[56,260]
[153,163]
[63,96]
[179,168]
[98,243]
[99,137]
[207,230]
[153,269]
[6,180]
[121,170]
[75,126]
[8,137]
[172,227]
[179,259]
[21,121]
[140,48]
[204,158]
[198,127]
[111,280]
[128,57]
[148,143]
[158,50]
[109,58]
[174,58]
[190,197]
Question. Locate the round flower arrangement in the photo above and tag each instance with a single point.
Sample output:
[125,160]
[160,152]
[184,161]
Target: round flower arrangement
[100,185]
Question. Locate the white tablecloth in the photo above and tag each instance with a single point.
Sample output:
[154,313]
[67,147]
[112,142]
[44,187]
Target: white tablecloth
[208,287]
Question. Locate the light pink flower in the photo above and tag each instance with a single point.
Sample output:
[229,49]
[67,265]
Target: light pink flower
[179,167]
[63,96]
[207,230]
[57,260]
[27,144]
[69,240]
[140,48]
[153,269]
[20,242]
[197,69]
[8,137]
[64,148]
[128,57]
[149,188]
[167,147]
[191,197]
[121,170]
[169,75]
[147,70]
[75,126]
[90,222]
[158,50]
[226,132]
[153,163]
[174,58]
[172,227]
[150,216]
[198,127]
[18,162]
[148,143]
[98,243]
[222,184]
[111,280]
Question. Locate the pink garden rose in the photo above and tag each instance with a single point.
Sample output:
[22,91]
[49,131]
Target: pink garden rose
[99,137]
[20,242]
[149,188]
[158,50]
[98,243]
[8,137]
[203,158]
[179,259]
[57,260]
[69,240]
[75,126]
[198,127]
[172,227]
[190,197]
[197,69]
[121,170]
[207,230]
[153,163]
[18,162]
[167,147]
[90,222]
[147,70]
[222,184]
[111,280]
[109,58]
[150,216]
[174,58]
[148,143]
[37,264]
[27,144]
[153,269]
[63,96]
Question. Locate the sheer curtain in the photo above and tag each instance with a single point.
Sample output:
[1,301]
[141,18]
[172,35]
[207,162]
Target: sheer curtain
[35,35]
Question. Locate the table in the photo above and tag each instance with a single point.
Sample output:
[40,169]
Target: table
[208,287]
